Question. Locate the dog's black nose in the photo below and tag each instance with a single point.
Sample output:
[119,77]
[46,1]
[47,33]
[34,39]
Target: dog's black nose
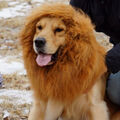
[40,42]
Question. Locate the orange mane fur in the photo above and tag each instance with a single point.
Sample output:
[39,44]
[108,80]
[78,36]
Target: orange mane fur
[80,63]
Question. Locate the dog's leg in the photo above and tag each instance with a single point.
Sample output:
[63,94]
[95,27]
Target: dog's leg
[38,111]
[53,110]
[98,107]
[99,111]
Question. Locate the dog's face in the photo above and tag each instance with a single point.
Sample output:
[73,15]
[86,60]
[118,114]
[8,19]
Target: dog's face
[49,37]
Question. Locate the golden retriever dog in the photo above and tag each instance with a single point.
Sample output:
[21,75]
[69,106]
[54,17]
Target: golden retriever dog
[65,65]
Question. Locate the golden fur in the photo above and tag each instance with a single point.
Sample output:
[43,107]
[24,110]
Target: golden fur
[73,87]
[53,32]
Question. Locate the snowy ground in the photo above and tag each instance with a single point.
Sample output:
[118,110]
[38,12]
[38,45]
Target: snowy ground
[15,94]
[9,66]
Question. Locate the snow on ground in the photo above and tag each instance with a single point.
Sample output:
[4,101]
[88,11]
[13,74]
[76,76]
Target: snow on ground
[17,8]
[20,96]
[40,1]
[16,102]
[8,67]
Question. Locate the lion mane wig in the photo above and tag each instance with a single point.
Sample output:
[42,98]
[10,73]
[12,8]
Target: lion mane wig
[80,61]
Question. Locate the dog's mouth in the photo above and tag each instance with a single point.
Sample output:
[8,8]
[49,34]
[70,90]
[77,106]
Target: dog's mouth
[44,59]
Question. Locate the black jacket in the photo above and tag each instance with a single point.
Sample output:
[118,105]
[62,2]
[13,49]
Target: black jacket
[105,14]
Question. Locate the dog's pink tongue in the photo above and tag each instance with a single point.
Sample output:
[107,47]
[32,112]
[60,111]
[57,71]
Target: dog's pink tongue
[43,60]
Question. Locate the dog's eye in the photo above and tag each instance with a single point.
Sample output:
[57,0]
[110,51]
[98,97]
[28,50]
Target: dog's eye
[39,27]
[58,30]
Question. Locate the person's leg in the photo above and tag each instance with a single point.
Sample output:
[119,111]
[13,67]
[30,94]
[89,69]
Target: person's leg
[113,88]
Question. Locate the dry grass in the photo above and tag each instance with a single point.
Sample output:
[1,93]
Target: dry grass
[16,81]
[9,33]
[3,4]
[9,42]
[16,112]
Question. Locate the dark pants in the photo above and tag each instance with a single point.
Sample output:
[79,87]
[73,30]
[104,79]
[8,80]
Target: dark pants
[113,88]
